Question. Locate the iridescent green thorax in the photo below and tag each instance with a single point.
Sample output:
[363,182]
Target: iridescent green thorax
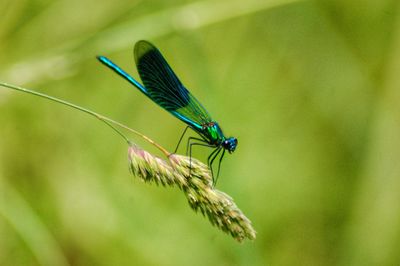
[213,133]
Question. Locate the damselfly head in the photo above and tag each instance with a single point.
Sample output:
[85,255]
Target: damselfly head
[230,144]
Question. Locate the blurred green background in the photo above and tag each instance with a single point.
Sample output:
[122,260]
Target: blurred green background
[311,89]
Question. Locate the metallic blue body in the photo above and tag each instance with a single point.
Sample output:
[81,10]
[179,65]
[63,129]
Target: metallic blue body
[163,87]
[122,73]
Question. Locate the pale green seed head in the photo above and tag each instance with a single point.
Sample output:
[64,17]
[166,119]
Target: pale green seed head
[194,179]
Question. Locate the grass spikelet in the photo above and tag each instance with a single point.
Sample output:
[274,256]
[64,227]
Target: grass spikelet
[194,179]
[150,168]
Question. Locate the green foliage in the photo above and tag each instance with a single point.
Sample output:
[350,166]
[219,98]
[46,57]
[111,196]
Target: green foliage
[309,88]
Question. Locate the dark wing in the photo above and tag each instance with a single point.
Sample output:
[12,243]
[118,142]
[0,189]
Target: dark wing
[164,87]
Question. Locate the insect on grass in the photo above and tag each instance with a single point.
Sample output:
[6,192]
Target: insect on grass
[164,88]
[192,177]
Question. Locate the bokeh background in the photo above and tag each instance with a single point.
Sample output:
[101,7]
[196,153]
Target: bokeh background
[311,89]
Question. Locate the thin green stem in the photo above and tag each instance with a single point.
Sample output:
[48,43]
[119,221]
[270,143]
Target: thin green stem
[104,119]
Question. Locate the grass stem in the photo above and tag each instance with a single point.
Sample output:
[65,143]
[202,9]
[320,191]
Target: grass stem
[108,121]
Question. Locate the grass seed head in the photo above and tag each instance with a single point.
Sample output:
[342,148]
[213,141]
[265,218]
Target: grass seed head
[195,180]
